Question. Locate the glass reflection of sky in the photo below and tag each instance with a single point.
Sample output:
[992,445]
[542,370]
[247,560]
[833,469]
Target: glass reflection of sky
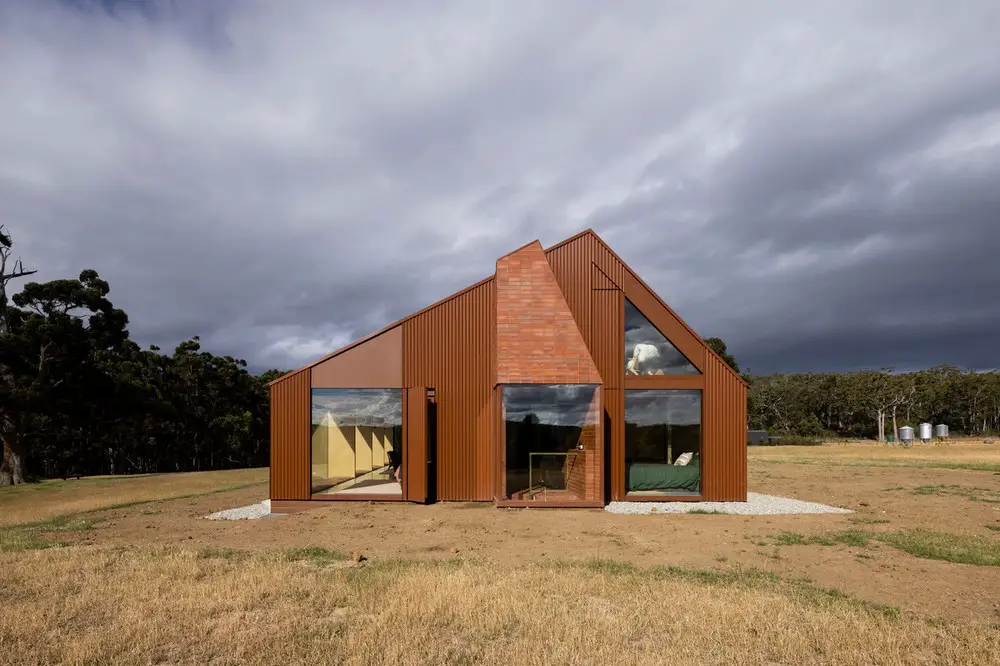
[653,407]
[553,404]
[359,406]
[639,329]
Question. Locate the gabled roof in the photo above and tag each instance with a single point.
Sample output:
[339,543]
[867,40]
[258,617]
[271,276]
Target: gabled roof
[444,300]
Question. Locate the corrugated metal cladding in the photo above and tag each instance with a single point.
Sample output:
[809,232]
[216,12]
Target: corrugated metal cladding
[584,265]
[724,433]
[607,334]
[415,450]
[290,424]
[450,348]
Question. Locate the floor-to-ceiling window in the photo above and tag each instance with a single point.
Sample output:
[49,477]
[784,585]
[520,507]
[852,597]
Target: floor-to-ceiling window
[552,445]
[662,442]
[357,441]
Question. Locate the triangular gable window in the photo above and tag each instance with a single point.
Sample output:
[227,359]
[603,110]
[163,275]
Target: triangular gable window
[647,351]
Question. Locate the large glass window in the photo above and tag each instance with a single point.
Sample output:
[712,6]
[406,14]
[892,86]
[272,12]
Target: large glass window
[551,438]
[662,442]
[357,441]
[647,351]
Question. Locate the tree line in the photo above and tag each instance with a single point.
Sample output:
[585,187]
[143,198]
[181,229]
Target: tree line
[869,404]
[79,397]
[874,403]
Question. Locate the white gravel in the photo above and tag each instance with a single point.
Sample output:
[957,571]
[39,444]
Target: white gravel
[252,512]
[756,505]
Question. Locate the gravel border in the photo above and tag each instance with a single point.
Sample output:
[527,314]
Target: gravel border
[756,505]
[252,512]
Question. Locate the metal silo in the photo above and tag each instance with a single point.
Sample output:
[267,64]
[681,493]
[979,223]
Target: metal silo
[906,435]
[941,431]
[925,432]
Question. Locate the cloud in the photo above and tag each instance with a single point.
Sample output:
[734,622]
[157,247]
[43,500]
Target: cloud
[813,183]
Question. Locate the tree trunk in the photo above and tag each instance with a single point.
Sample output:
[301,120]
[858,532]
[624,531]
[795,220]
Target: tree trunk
[12,467]
[880,420]
[895,430]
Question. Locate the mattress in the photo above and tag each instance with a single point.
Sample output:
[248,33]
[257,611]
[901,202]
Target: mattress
[661,476]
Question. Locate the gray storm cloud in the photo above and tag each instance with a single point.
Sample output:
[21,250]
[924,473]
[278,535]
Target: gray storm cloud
[813,182]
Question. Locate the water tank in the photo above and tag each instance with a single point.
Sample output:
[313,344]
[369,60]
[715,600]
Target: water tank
[906,434]
[941,430]
[925,432]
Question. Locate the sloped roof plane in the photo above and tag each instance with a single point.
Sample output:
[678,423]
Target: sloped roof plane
[629,274]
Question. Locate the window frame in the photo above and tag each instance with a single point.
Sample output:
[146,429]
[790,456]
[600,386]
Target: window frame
[369,497]
[500,440]
[622,494]
[626,302]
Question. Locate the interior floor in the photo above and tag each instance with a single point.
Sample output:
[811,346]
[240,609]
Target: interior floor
[376,482]
[541,494]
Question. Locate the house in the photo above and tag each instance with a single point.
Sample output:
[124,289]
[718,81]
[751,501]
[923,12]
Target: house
[561,380]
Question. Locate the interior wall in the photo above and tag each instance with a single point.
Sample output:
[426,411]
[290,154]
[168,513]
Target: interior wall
[341,454]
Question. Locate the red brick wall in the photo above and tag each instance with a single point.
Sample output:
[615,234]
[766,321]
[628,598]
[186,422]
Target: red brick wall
[583,471]
[537,340]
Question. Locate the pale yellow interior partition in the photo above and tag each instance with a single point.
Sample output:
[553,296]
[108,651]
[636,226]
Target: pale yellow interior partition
[387,442]
[378,448]
[363,450]
[320,436]
[341,452]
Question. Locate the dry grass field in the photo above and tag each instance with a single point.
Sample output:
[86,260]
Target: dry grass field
[966,453]
[912,577]
[48,499]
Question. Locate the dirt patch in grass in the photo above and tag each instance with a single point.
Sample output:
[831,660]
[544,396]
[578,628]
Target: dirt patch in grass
[896,575]
[44,534]
[706,542]
[975,494]
[139,606]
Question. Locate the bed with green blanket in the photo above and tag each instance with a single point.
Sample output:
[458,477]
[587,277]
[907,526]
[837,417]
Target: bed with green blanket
[663,476]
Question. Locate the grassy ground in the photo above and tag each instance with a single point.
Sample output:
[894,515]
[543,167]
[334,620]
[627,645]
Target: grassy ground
[905,580]
[971,454]
[49,499]
[92,605]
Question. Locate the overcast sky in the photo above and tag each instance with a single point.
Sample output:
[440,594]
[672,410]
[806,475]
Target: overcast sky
[816,183]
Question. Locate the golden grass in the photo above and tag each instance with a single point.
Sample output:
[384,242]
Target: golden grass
[957,454]
[41,501]
[84,605]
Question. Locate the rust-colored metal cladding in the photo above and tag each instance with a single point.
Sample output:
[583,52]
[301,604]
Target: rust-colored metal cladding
[607,329]
[724,433]
[570,261]
[449,347]
[290,426]
[415,450]
[584,263]
[376,363]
